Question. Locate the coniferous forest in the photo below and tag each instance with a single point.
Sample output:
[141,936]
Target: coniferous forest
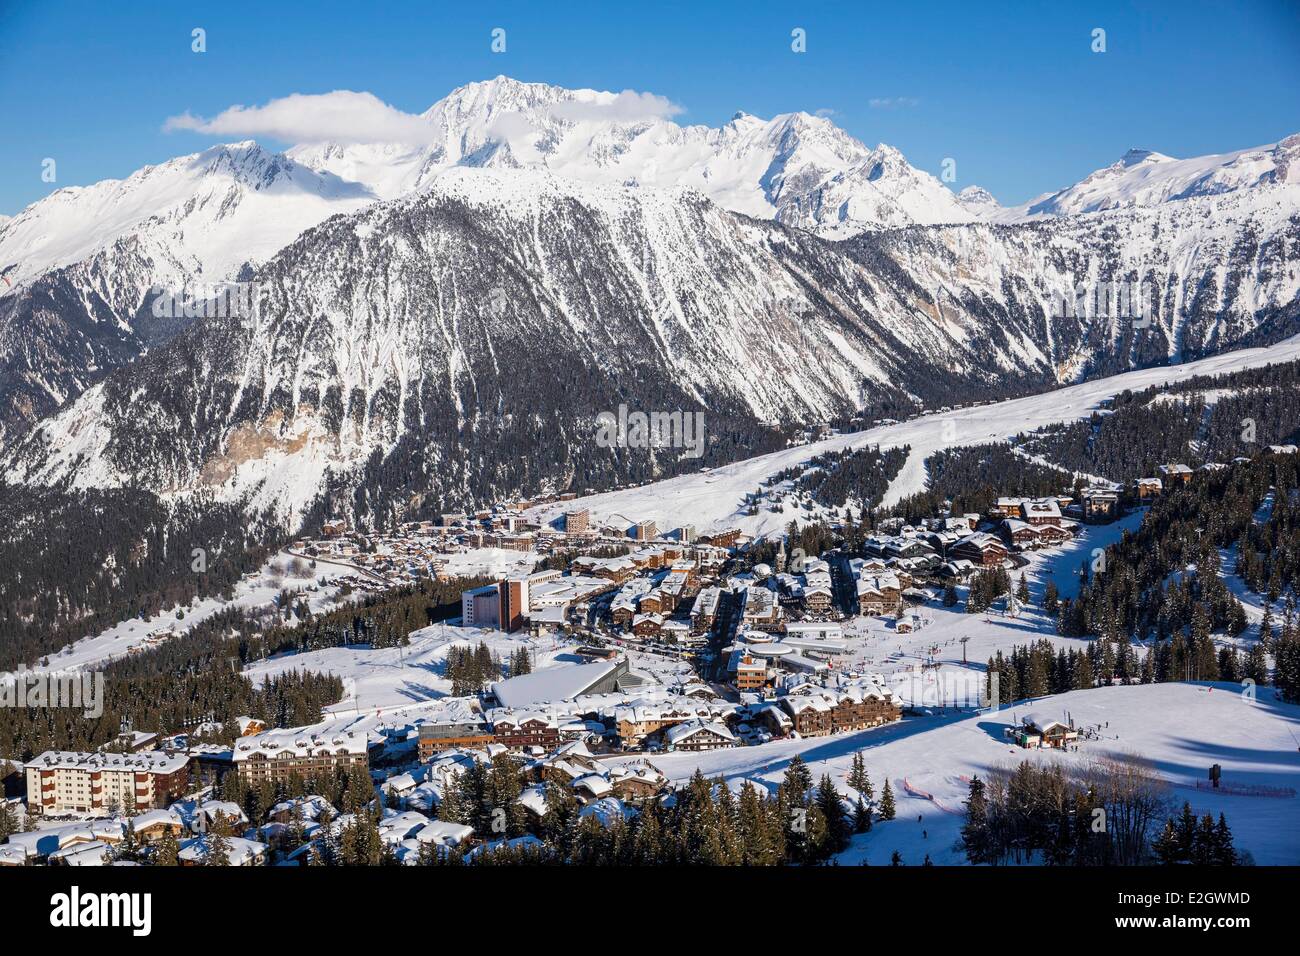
[1137,431]
[77,561]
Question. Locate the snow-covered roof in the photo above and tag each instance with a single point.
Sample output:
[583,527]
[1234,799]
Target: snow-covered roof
[146,761]
[94,853]
[679,732]
[149,818]
[241,851]
[331,737]
[444,833]
[552,683]
[607,810]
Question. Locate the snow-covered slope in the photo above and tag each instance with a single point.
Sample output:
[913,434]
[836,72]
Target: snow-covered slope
[202,215]
[716,499]
[1218,272]
[1176,729]
[980,203]
[797,168]
[488,304]
[1143,177]
[461,342]
[79,265]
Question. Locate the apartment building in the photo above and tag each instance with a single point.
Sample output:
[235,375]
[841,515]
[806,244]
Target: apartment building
[76,782]
[577,521]
[305,751]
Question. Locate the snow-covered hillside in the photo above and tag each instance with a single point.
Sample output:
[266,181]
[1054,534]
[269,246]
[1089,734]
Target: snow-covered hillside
[1143,177]
[200,216]
[586,234]
[716,499]
[1178,729]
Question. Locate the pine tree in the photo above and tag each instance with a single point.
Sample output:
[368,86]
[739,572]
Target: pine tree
[168,850]
[1167,847]
[1185,830]
[861,817]
[1205,842]
[218,850]
[836,821]
[975,837]
[887,809]
[1022,589]
[1051,598]
[1224,853]
[857,779]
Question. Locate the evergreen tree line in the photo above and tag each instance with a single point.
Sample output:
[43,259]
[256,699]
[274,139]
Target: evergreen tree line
[385,619]
[705,822]
[1185,839]
[971,478]
[1108,814]
[471,669]
[1126,440]
[1038,669]
[76,561]
[1136,433]
[1161,584]
[1268,552]
[986,587]
[1144,585]
[171,688]
[836,477]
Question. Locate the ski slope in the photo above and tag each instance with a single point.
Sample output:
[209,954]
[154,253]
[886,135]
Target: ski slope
[712,500]
[1178,729]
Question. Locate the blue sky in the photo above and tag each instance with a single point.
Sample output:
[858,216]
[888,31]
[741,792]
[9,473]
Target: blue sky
[1014,94]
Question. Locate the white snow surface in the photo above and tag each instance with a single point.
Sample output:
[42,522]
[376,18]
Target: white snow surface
[1142,177]
[795,167]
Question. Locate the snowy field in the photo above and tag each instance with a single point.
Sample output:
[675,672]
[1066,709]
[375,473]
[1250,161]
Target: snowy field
[715,499]
[392,679]
[1179,729]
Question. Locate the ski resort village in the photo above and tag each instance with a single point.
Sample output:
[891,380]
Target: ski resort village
[879,677]
[443,441]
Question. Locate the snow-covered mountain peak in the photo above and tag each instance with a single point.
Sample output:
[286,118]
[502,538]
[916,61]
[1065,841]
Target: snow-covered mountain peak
[778,168]
[1138,155]
[1143,177]
[206,213]
[980,203]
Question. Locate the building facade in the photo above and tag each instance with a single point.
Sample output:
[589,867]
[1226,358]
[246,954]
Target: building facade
[75,782]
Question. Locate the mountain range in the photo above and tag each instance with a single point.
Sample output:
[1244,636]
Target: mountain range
[443,323]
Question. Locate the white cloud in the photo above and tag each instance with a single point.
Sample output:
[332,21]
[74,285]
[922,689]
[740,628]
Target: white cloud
[341,116]
[892,102]
[510,127]
[627,107]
